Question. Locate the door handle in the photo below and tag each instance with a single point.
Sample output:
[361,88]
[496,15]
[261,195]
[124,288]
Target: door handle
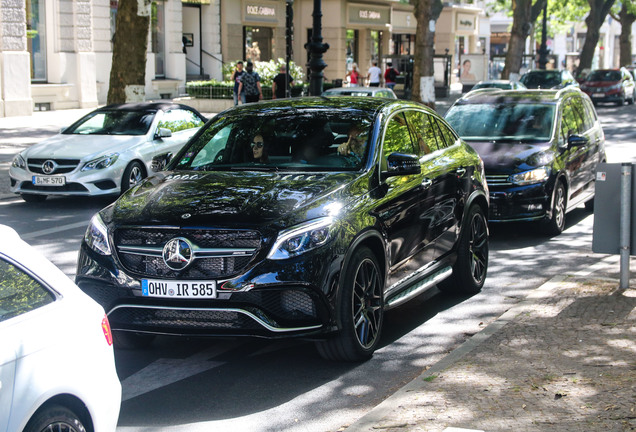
[426,183]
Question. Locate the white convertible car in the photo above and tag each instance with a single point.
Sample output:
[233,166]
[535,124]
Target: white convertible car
[106,152]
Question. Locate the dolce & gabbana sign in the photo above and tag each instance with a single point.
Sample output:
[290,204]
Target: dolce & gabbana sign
[369,15]
[261,11]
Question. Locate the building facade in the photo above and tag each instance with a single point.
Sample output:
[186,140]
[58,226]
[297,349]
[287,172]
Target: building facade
[57,54]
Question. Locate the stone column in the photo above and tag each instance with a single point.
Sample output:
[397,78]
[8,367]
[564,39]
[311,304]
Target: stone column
[15,82]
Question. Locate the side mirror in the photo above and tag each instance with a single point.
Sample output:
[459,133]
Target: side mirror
[577,141]
[164,133]
[399,164]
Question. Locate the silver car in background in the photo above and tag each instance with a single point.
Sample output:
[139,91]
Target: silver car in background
[106,152]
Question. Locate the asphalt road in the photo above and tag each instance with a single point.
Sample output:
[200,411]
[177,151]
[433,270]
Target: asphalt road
[254,385]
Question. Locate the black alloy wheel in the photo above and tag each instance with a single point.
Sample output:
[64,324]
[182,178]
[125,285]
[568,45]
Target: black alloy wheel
[471,267]
[55,418]
[361,310]
[555,225]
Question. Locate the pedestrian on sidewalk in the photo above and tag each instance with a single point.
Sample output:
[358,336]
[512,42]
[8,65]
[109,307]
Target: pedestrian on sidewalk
[251,84]
[354,76]
[390,74]
[373,75]
[281,83]
[236,78]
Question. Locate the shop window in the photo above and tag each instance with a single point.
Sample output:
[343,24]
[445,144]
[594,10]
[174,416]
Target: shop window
[403,44]
[157,24]
[258,43]
[36,38]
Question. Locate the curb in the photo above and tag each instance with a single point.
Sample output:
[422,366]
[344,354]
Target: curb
[370,421]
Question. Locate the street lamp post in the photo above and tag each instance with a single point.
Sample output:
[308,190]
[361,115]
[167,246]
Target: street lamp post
[316,49]
[543,49]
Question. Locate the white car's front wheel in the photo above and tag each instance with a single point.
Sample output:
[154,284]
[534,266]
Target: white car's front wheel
[133,175]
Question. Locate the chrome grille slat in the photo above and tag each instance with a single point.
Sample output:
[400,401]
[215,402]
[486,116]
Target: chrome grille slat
[217,253]
[497,179]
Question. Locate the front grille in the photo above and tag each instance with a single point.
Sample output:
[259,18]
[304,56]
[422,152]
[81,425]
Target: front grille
[497,180]
[204,267]
[181,320]
[63,165]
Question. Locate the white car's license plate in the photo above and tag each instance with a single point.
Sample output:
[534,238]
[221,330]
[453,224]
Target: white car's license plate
[178,289]
[48,180]
[598,94]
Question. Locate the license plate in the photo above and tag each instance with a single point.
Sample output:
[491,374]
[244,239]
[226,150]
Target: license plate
[178,289]
[48,180]
[598,94]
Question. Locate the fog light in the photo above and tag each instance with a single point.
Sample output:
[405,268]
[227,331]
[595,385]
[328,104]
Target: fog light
[533,207]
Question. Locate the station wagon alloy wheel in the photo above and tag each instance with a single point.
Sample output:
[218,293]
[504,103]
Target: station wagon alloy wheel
[479,248]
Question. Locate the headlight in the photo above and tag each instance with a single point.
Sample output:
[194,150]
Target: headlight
[101,162]
[19,162]
[302,238]
[96,236]
[529,177]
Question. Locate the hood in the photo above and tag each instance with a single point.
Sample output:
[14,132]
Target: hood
[505,157]
[230,198]
[85,147]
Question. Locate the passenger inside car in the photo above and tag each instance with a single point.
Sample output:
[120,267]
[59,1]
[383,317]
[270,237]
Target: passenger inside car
[259,152]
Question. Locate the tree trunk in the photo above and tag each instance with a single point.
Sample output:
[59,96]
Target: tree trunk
[426,14]
[524,15]
[128,72]
[626,19]
[598,12]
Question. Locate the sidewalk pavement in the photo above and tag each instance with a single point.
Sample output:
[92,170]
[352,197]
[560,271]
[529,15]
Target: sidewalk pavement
[564,359]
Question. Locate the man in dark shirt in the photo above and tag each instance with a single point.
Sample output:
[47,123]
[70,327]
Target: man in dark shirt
[279,86]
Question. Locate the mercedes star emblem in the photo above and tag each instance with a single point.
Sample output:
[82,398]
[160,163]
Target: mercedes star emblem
[48,167]
[178,254]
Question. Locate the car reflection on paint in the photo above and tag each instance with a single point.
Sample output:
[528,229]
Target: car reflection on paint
[297,218]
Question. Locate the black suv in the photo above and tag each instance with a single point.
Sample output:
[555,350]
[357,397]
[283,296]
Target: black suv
[294,218]
[548,79]
[540,149]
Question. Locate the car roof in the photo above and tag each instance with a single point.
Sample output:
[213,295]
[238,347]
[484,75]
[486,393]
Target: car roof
[323,103]
[146,106]
[494,96]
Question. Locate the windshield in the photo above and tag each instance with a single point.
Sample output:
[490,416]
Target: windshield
[547,79]
[115,122]
[501,122]
[315,140]
[604,75]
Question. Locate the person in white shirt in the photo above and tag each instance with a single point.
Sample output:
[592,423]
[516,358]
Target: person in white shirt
[373,75]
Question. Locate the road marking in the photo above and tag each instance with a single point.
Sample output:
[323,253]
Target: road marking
[54,230]
[166,371]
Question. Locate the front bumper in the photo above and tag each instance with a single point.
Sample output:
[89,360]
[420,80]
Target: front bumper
[80,183]
[276,307]
[519,203]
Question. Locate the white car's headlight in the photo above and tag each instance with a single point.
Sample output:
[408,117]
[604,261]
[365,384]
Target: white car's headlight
[101,162]
[530,177]
[19,162]
[96,236]
[302,238]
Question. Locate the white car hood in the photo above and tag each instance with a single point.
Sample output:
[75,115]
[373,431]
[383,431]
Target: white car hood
[84,147]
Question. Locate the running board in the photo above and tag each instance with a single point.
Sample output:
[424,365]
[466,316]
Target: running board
[418,287]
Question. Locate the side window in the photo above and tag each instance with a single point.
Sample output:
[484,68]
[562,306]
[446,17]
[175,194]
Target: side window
[579,112]
[179,119]
[425,132]
[397,137]
[19,292]
[212,152]
[570,121]
[447,134]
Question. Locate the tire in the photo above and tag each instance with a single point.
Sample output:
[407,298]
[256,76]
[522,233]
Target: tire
[131,340]
[555,225]
[471,266]
[55,418]
[361,309]
[32,198]
[133,175]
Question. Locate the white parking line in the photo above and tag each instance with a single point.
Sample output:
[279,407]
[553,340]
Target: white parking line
[54,230]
